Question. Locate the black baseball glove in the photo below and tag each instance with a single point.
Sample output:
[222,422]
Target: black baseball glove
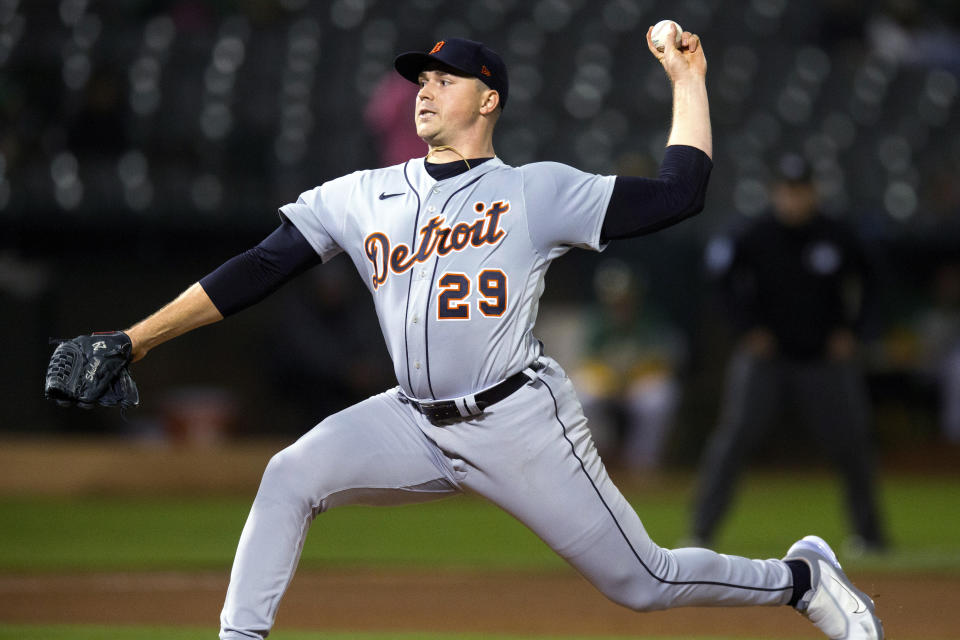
[91,370]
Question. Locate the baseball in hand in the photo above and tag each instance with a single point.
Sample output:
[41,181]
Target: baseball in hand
[661,31]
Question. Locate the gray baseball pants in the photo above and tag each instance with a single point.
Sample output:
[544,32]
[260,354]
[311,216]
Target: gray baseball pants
[531,454]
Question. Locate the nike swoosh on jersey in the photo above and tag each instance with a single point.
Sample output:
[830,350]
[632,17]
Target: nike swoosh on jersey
[384,195]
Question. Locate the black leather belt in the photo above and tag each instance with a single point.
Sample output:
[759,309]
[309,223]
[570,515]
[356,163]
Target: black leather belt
[473,405]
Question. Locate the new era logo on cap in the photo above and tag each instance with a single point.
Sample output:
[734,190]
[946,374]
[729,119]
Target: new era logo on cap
[466,56]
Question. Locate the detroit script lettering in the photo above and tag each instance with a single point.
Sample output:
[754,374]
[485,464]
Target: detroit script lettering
[434,237]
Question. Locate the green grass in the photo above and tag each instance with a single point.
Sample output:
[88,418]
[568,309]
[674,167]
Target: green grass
[922,515]
[83,632]
[112,533]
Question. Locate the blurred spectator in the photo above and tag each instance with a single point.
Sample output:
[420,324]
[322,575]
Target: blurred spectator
[940,334]
[927,347]
[389,117]
[790,280]
[627,379]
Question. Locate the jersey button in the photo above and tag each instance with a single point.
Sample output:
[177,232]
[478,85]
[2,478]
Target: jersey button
[416,364]
[431,208]
[416,318]
[436,190]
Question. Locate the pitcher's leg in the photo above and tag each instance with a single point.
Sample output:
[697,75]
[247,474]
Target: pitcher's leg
[370,453]
[555,483]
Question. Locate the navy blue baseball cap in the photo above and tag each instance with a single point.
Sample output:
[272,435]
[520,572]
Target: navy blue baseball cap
[466,56]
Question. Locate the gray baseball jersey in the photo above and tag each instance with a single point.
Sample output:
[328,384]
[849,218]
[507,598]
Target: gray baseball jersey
[456,268]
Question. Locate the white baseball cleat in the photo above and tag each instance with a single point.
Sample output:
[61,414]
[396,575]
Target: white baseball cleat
[833,604]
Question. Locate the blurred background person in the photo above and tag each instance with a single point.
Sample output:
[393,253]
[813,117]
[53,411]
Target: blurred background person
[388,119]
[940,328]
[922,352]
[628,375]
[798,288]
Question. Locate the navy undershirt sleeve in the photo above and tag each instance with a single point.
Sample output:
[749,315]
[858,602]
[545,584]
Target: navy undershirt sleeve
[643,205]
[251,276]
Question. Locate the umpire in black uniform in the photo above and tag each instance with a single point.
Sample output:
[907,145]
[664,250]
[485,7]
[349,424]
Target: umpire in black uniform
[797,285]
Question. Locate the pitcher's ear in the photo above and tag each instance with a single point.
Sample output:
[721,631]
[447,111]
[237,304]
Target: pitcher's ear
[491,100]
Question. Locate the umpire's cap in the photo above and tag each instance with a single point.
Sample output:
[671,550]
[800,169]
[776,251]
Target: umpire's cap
[469,57]
[792,168]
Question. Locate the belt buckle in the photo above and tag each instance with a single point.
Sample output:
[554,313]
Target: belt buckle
[440,412]
[447,410]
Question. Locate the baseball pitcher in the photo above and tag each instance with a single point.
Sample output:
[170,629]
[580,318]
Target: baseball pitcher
[454,247]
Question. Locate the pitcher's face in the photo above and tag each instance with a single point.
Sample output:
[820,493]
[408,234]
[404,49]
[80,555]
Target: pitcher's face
[446,105]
